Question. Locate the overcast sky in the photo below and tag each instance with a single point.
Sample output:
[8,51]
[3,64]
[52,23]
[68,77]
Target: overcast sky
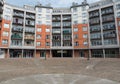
[54,3]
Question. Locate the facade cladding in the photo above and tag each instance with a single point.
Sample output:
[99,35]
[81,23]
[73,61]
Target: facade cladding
[85,30]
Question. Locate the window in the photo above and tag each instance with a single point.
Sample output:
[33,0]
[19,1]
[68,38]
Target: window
[84,8]
[39,29]
[84,15]
[47,43]
[40,10]
[75,29]
[84,21]
[7,17]
[5,33]
[38,36]
[47,36]
[75,22]
[75,9]
[48,10]
[48,17]
[75,16]
[118,14]
[85,36]
[76,44]
[6,25]
[39,22]
[48,22]
[85,43]
[84,28]
[76,36]
[47,30]
[7,10]
[4,41]
[38,44]
[39,16]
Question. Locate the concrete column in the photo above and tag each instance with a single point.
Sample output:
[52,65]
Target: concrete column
[34,53]
[89,54]
[119,53]
[22,52]
[104,53]
[62,53]
[50,53]
[8,53]
[73,54]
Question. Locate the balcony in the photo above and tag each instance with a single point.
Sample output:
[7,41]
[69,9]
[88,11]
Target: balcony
[106,19]
[30,23]
[108,27]
[110,34]
[66,24]
[31,17]
[17,21]
[67,43]
[28,44]
[29,30]
[18,14]
[56,18]
[65,31]
[29,37]
[66,18]
[57,38]
[107,11]
[95,29]
[94,14]
[16,36]
[1,9]
[16,29]
[94,21]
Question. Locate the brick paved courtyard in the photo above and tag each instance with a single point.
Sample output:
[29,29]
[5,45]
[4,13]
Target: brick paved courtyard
[68,69]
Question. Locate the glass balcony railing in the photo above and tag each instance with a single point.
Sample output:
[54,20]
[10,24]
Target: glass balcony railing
[29,37]
[16,36]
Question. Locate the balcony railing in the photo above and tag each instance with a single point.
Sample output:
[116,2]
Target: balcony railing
[18,14]
[30,17]
[16,36]
[15,29]
[30,31]
[108,19]
[29,37]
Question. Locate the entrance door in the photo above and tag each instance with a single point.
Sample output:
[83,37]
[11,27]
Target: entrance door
[82,54]
[42,54]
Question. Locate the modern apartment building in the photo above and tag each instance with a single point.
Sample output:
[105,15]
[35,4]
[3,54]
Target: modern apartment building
[104,31]
[82,30]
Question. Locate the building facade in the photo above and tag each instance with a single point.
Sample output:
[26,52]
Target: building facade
[82,30]
[104,28]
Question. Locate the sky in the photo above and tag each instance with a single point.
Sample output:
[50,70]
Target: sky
[54,3]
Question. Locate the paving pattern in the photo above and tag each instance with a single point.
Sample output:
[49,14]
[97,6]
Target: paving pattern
[58,79]
[59,71]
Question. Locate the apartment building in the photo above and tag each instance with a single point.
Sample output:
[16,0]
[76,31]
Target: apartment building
[104,28]
[82,30]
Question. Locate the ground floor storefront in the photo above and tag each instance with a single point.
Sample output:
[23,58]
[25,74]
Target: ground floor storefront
[60,53]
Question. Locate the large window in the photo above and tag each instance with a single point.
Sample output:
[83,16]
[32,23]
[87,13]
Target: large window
[4,42]
[6,25]
[5,33]
[84,28]
[76,36]
[38,43]
[75,29]
[38,36]
[39,29]
[84,35]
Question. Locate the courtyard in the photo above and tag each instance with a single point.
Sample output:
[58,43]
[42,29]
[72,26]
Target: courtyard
[60,71]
